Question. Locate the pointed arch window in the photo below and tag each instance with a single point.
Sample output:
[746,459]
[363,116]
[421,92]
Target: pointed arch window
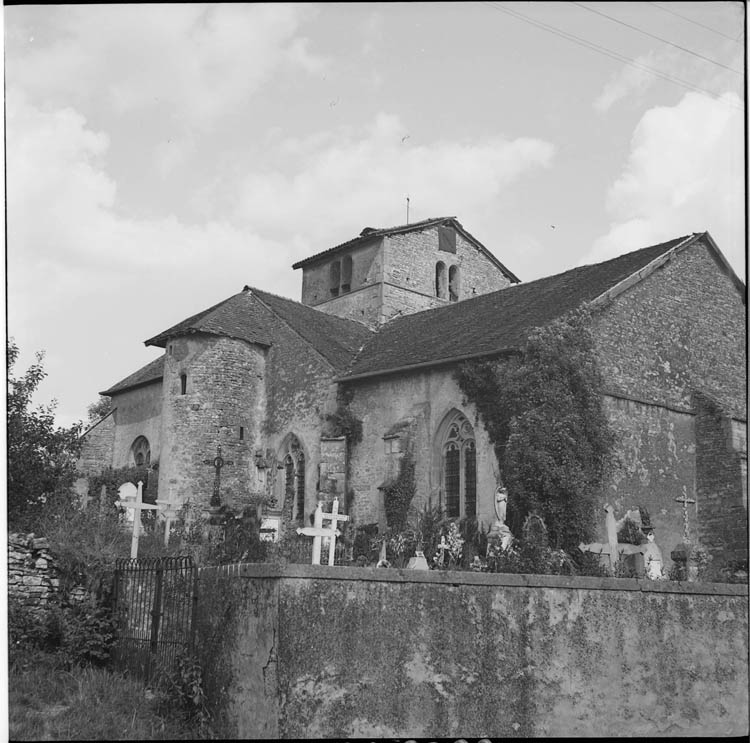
[294,479]
[458,467]
[140,452]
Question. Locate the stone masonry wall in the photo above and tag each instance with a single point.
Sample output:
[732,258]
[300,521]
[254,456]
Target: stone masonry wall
[32,579]
[319,652]
[225,393]
[683,328]
[301,392]
[98,446]
[423,400]
[411,257]
[678,331]
[367,270]
[720,489]
[655,450]
[138,414]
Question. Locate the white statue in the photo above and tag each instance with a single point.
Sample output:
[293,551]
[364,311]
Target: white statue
[652,557]
[499,531]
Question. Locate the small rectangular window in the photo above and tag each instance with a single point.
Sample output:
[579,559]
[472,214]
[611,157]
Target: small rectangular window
[242,433]
[447,238]
[183,384]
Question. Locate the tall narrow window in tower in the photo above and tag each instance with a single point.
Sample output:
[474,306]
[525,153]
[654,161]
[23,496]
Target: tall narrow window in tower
[335,278]
[453,283]
[346,274]
[440,284]
[459,467]
[183,384]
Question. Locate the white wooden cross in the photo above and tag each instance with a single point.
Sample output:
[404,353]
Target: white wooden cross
[611,549]
[317,532]
[333,517]
[137,504]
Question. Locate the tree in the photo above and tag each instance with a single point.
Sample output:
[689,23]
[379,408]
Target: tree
[99,409]
[543,410]
[41,457]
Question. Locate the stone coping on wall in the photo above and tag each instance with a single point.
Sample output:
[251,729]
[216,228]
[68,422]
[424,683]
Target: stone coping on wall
[468,578]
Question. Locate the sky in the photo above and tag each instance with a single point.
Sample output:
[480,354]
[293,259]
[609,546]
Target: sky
[160,157]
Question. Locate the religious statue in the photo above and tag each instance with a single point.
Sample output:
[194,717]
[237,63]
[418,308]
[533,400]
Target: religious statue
[652,558]
[499,535]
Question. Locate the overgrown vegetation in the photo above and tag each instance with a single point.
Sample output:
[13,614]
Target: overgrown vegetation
[49,701]
[41,457]
[543,411]
[398,493]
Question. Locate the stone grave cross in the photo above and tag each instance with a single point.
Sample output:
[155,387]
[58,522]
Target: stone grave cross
[685,500]
[127,500]
[217,463]
[317,532]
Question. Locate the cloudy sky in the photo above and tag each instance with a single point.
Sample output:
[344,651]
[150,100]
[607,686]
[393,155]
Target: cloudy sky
[160,157]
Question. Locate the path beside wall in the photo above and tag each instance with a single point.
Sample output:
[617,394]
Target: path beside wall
[308,651]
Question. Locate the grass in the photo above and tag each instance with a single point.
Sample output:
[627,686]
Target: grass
[47,702]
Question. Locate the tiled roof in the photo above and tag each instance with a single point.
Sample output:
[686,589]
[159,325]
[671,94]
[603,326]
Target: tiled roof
[248,316]
[368,233]
[336,338]
[240,316]
[152,372]
[496,322]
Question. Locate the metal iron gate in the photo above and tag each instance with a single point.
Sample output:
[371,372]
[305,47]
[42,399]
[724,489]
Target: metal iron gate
[155,600]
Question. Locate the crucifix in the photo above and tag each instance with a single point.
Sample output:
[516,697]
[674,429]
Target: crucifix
[217,463]
[612,549]
[685,500]
[137,504]
[317,532]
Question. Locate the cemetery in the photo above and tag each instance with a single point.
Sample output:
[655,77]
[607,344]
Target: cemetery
[439,639]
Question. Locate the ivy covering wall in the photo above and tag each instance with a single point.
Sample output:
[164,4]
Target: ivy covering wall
[543,410]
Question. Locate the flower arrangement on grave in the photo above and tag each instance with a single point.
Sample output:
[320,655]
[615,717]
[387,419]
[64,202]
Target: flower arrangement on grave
[451,543]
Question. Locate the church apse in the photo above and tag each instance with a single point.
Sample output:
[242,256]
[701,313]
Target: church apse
[214,395]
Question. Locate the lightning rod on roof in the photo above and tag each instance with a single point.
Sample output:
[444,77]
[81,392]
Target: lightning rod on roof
[407,208]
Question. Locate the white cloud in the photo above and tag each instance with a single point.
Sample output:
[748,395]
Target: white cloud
[350,176]
[196,61]
[626,81]
[83,277]
[684,174]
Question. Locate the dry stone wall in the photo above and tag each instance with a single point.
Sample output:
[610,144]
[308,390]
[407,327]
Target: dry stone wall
[32,579]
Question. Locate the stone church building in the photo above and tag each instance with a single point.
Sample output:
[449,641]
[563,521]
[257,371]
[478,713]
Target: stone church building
[383,322]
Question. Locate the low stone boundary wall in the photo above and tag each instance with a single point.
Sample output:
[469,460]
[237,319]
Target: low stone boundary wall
[317,652]
[31,575]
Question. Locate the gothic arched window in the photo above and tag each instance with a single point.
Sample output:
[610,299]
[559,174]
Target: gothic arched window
[140,451]
[458,467]
[293,458]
